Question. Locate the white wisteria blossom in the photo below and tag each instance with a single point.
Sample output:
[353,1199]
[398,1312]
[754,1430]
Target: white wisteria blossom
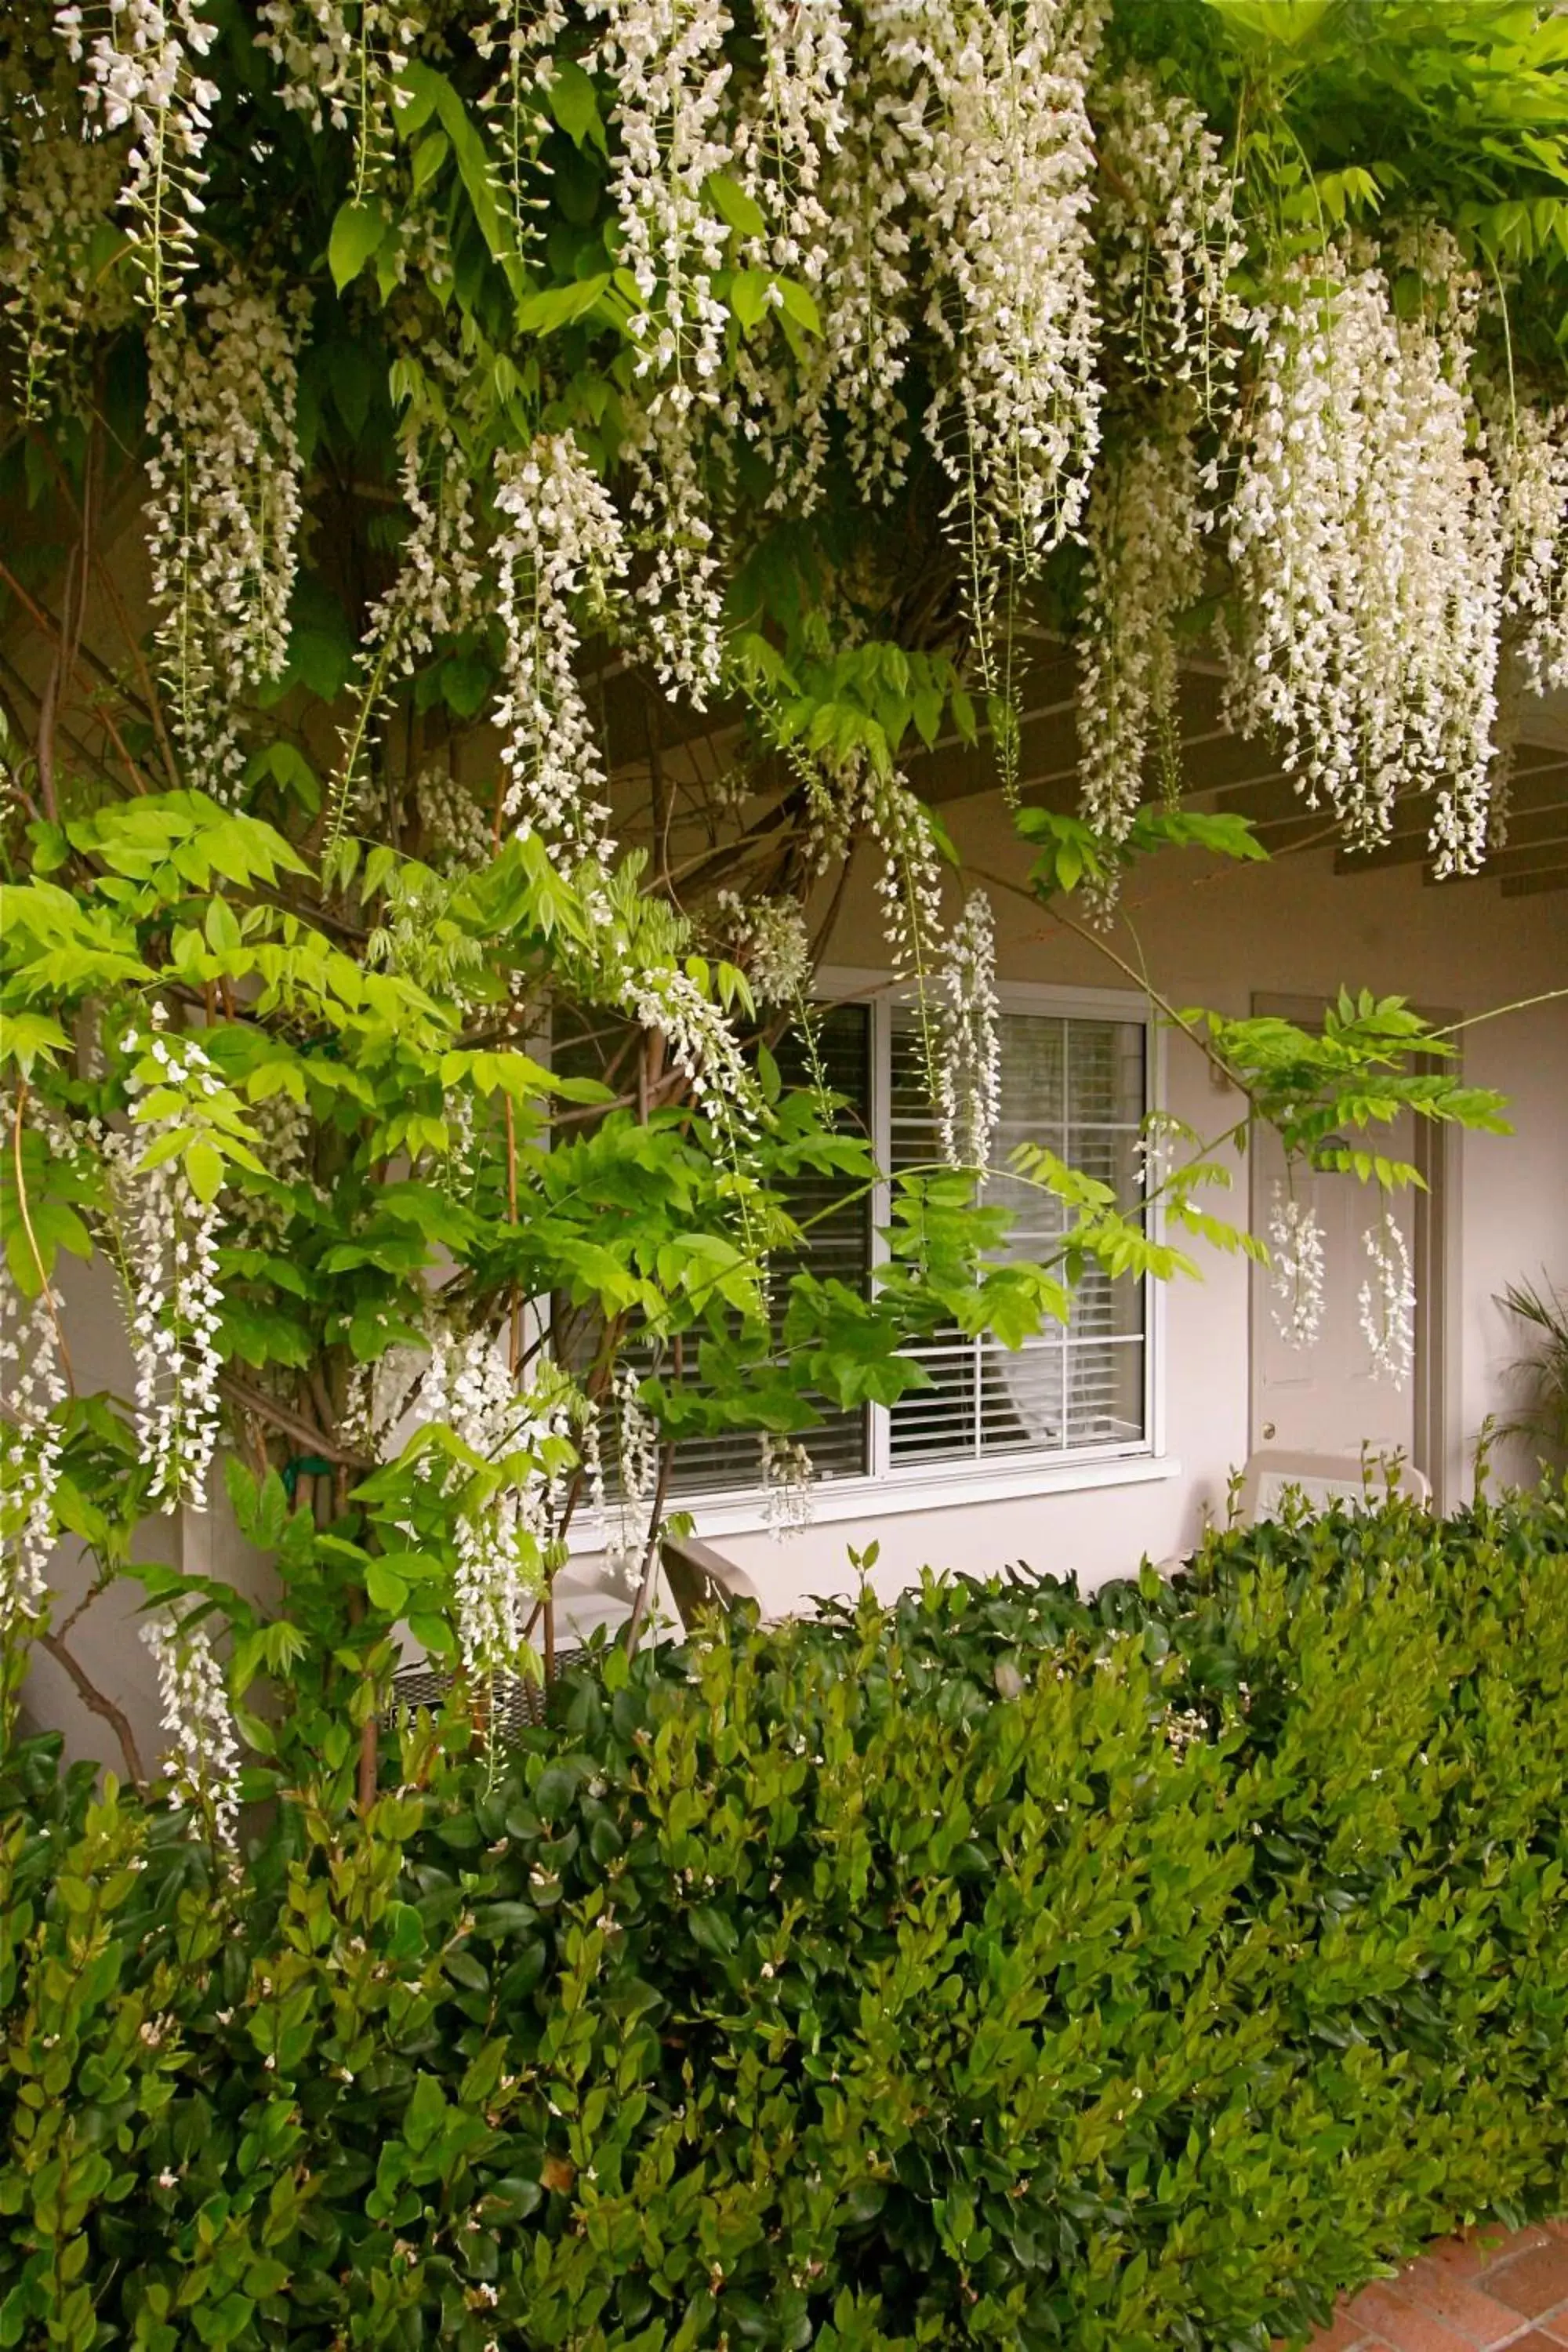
[1296,1268]
[863,288]
[784,1469]
[224,518]
[143,73]
[1167,240]
[341,64]
[32,1390]
[701,1045]
[61,194]
[516,40]
[167,1242]
[635,1436]
[509,1506]
[1387,1301]
[455,830]
[770,938]
[560,548]
[1528,452]
[667,61]
[202,1763]
[789,126]
[1144,563]
[1004,181]
[1364,537]
[968,1039]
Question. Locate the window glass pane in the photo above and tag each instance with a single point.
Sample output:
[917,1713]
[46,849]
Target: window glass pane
[1078,1087]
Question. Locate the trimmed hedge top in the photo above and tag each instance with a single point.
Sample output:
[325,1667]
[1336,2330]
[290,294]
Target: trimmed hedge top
[998,1967]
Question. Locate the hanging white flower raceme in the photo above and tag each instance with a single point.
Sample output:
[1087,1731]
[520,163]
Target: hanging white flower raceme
[224,516]
[60,197]
[502,1527]
[1387,1301]
[1528,452]
[666,59]
[788,1490]
[32,1390]
[560,548]
[1363,539]
[379,1395]
[968,1048]
[635,1436]
[1296,1275]
[791,122]
[770,938]
[436,592]
[456,833]
[339,61]
[1167,241]
[168,1246]
[143,72]
[909,885]
[1005,183]
[517,39]
[1144,562]
[203,1760]
[282,1128]
[864,289]
[701,1044]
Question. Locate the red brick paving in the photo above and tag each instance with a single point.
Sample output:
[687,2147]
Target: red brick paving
[1474,2293]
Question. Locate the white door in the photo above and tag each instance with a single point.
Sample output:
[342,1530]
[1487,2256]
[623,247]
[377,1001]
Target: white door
[1324,1398]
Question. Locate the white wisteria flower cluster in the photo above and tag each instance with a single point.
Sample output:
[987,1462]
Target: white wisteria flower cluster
[969,1044]
[770,938]
[784,1468]
[789,127]
[1296,1268]
[202,1763]
[167,1240]
[61,189]
[1387,1301]
[667,61]
[505,1519]
[33,1388]
[143,72]
[560,546]
[1145,534]
[1167,240]
[1370,547]
[223,520]
[1004,180]
[340,64]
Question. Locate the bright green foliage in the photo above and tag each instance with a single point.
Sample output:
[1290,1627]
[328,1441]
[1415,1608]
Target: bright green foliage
[994,1968]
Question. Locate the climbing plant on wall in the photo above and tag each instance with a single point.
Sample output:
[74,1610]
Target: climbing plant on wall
[501,495]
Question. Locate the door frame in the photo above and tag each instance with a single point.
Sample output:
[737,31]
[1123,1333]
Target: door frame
[1437,1446]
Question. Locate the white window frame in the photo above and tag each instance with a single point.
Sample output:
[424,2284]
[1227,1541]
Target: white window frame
[890,1489]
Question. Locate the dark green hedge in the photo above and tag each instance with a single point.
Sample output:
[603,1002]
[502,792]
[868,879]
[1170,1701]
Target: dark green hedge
[998,1969]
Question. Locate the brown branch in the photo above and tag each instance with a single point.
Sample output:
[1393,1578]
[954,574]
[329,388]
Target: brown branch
[290,1423]
[93,1699]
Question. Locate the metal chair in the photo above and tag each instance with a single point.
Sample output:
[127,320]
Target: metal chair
[701,1579]
[1324,1479]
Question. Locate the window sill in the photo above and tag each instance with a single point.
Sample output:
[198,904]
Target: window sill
[837,1502]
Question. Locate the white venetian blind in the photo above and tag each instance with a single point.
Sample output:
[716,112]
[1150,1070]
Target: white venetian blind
[1077,1085]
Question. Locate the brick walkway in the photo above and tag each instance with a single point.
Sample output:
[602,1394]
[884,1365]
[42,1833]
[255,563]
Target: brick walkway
[1479,2291]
